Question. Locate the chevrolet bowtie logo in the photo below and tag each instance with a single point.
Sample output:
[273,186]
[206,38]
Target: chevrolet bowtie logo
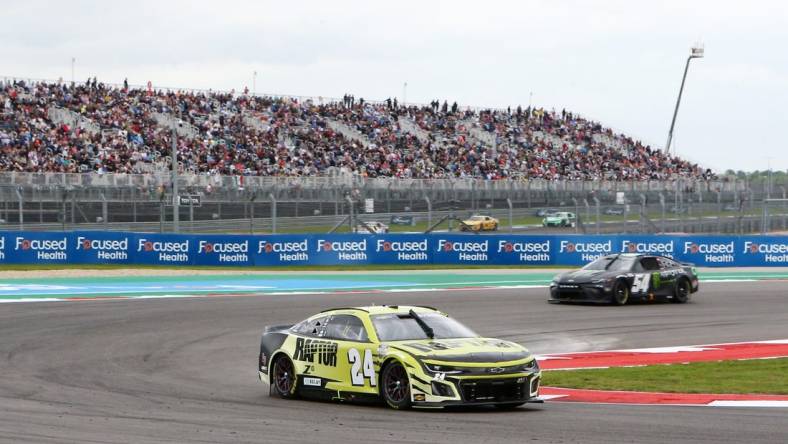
[495,370]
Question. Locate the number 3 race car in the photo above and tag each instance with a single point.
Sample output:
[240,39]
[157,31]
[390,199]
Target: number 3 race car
[617,278]
[403,355]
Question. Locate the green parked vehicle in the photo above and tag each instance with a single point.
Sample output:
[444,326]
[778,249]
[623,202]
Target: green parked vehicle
[560,219]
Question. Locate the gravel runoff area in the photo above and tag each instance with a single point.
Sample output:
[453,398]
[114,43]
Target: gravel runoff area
[196,271]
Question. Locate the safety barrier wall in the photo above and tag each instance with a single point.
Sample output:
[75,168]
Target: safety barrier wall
[98,247]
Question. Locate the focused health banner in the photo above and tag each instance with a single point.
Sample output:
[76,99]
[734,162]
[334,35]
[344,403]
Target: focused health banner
[99,247]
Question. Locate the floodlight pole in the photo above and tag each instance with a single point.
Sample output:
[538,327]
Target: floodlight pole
[175,198]
[696,53]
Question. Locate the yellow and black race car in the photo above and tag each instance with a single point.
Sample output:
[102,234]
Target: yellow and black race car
[403,355]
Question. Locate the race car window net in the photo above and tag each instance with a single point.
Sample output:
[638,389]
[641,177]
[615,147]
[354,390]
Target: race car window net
[347,328]
[649,263]
[314,327]
[403,327]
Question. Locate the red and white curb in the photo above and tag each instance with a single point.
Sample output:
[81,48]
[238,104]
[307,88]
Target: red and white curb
[664,355]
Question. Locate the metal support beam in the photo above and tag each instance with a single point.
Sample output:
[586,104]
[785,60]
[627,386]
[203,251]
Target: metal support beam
[429,210]
[273,212]
[511,214]
[21,208]
[175,200]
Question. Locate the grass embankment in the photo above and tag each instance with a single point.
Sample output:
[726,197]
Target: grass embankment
[421,225]
[764,376]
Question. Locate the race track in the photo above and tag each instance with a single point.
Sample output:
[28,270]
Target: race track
[183,370]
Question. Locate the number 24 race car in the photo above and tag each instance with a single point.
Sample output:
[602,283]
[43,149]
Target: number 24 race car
[405,356]
[618,278]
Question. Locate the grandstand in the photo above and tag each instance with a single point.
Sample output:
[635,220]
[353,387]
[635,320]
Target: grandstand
[49,126]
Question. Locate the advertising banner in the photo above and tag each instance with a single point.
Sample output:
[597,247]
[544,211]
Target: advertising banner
[282,249]
[217,249]
[523,250]
[340,249]
[163,249]
[399,249]
[33,247]
[98,247]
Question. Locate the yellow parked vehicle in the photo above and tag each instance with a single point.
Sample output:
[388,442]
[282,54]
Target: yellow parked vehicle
[479,223]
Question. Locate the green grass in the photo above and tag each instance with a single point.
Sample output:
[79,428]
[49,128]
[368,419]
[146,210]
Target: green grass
[765,376]
[421,225]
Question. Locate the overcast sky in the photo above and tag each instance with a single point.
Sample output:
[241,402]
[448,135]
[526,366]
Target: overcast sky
[619,62]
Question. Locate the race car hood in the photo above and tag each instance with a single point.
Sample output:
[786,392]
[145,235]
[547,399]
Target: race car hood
[467,350]
[583,276]
[471,222]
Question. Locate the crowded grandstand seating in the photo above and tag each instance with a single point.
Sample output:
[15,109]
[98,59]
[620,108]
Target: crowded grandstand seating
[59,127]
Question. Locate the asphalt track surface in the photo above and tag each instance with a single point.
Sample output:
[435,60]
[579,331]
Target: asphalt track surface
[183,370]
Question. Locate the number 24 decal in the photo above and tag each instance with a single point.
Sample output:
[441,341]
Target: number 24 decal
[360,370]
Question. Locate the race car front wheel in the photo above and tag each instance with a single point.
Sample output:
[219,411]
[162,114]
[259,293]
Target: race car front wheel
[283,377]
[682,291]
[395,386]
[620,293]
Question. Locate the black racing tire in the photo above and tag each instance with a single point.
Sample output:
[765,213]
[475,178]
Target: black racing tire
[284,380]
[508,406]
[682,290]
[495,227]
[395,386]
[620,293]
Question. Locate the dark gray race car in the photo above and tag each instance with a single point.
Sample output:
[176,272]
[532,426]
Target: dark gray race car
[619,278]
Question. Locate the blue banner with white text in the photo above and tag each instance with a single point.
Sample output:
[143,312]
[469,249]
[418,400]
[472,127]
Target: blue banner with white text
[98,247]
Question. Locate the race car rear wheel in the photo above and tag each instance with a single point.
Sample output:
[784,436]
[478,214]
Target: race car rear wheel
[620,293]
[283,377]
[395,386]
[682,291]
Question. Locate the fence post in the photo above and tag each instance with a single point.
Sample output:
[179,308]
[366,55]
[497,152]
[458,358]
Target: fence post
[350,209]
[596,204]
[577,211]
[273,212]
[251,212]
[104,212]
[388,197]
[64,197]
[588,209]
[511,214]
[763,218]
[662,206]
[21,208]
[626,214]
[642,213]
[429,210]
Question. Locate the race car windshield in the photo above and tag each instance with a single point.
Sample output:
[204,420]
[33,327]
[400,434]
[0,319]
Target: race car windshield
[404,327]
[611,263]
[477,218]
